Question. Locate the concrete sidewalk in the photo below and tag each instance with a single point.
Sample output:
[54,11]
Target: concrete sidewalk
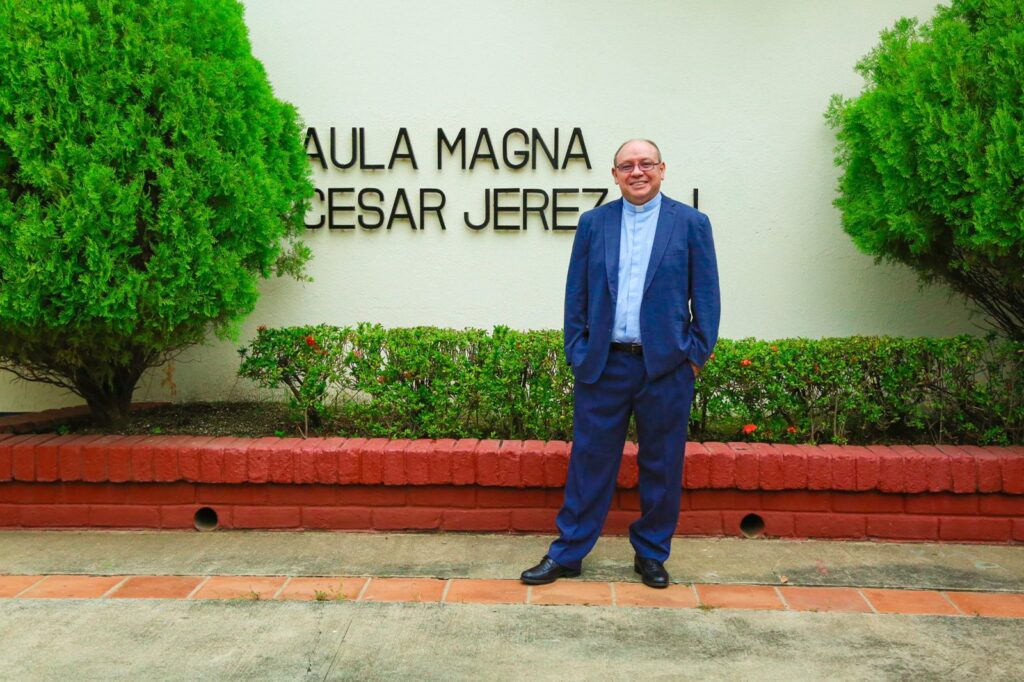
[995,568]
[242,639]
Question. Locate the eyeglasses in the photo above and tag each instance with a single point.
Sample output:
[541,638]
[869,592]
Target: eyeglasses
[645,166]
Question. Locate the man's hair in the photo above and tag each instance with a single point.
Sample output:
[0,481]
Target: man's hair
[615,159]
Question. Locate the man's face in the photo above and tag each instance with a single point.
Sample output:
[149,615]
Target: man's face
[638,186]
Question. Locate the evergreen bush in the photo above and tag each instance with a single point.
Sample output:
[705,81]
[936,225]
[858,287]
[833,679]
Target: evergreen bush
[426,382]
[148,179]
[931,153]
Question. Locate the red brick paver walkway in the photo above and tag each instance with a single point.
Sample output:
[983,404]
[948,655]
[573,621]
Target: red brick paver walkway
[475,591]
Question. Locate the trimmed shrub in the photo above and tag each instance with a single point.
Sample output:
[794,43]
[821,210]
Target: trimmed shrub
[426,382]
[148,179]
[307,361]
[931,152]
[865,390]
[418,382]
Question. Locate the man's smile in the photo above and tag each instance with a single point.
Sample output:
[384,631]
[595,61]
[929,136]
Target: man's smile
[638,171]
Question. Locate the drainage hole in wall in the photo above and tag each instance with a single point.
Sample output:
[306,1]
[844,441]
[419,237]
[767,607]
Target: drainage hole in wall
[205,519]
[752,526]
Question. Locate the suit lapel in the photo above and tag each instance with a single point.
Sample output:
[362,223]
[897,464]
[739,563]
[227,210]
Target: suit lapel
[612,229]
[662,234]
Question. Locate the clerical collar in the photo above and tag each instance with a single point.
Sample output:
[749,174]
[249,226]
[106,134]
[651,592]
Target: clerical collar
[642,208]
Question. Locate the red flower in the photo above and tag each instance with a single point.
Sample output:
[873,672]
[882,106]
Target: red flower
[790,429]
[310,341]
[380,379]
[775,348]
[745,363]
[749,428]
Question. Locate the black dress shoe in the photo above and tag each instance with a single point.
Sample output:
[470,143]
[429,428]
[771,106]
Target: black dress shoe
[651,571]
[547,571]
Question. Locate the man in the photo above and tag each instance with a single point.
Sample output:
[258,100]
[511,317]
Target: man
[642,307]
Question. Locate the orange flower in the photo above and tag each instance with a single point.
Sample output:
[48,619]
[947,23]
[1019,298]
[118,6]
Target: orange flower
[745,362]
[790,429]
[310,341]
[749,428]
[775,348]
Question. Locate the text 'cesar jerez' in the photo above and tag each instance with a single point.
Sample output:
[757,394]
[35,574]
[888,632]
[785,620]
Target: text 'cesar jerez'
[504,208]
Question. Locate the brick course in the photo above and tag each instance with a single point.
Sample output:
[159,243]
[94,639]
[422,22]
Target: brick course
[925,493]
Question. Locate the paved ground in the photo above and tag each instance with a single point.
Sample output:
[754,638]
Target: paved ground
[460,555]
[243,638]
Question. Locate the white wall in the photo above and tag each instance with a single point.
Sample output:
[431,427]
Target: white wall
[733,91]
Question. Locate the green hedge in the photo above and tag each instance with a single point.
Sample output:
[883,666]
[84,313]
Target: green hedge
[426,382]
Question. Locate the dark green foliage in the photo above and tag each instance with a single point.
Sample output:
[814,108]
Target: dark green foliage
[429,382]
[932,153]
[434,383]
[148,180]
[865,390]
[304,360]
[419,382]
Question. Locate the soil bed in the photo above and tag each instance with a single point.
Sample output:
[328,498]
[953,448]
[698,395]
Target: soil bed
[243,419]
[256,419]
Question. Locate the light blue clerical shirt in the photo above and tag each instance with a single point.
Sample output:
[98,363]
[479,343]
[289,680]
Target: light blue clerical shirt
[638,226]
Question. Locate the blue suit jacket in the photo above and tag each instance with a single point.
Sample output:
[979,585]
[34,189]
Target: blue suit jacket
[681,304]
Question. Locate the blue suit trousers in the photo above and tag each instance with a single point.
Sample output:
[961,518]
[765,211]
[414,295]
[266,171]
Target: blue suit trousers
[601,419]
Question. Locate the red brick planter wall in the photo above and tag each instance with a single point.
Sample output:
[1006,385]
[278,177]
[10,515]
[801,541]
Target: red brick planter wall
[895,493]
